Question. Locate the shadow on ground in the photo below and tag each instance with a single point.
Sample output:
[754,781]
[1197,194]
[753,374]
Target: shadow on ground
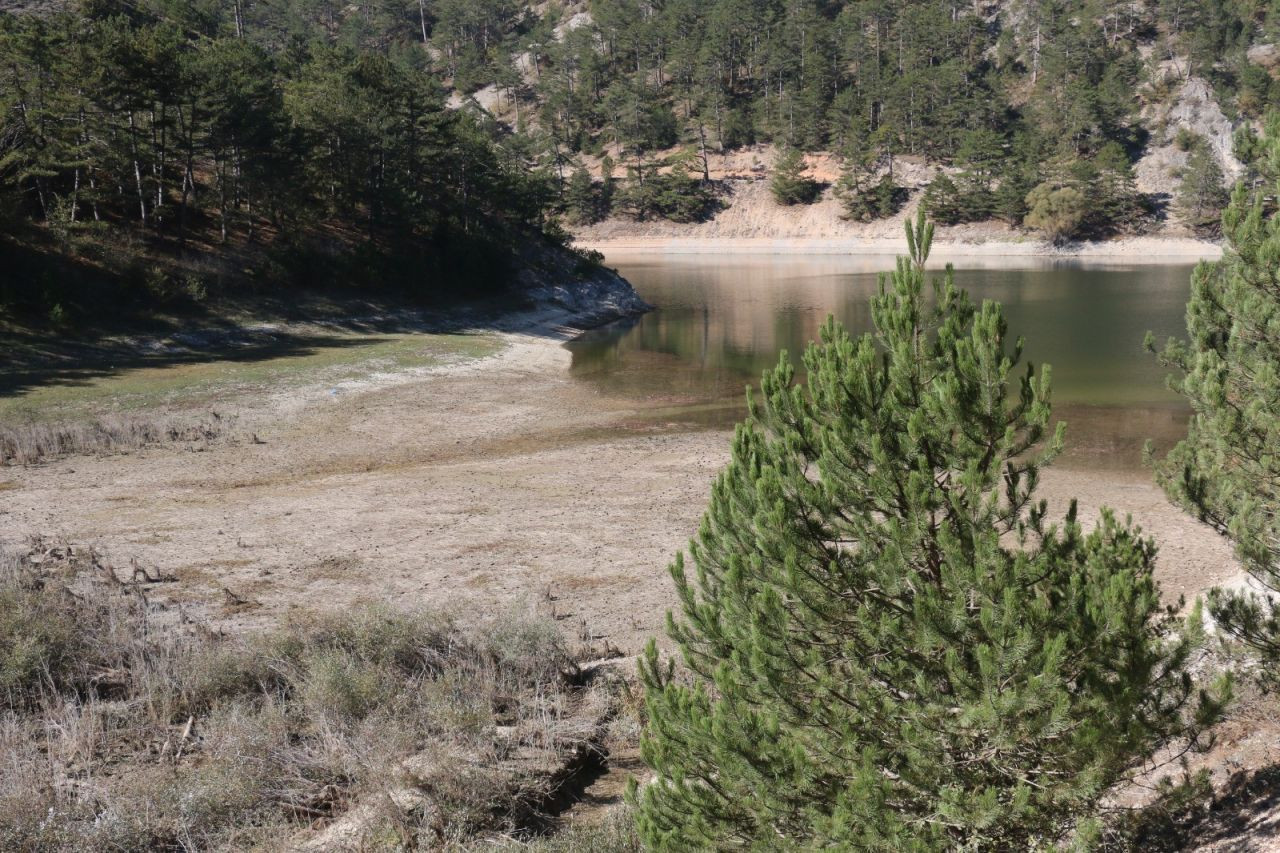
[246,333]
[1243,818]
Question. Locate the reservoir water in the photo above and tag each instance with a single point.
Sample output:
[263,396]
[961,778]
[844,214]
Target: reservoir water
[721,320]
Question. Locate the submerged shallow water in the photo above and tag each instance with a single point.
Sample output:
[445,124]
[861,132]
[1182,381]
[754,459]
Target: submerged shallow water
[721,320]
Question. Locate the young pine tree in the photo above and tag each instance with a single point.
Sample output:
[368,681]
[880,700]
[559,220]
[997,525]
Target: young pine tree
[1201,194]
[581,200]
[790,183]
[1227,471]
[887,646]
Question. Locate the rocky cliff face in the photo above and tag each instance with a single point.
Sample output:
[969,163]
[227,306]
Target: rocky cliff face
[1191,106]
[591,294]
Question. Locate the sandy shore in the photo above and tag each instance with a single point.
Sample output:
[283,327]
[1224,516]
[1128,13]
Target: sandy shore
[1133,250]
[497,483]
[752,222]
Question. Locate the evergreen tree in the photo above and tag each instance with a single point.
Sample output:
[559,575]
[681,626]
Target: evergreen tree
[853,187]
[888,648]
[581,201]
[1202,194]
[790,183]
[942,200]
[889,196]
[1227,470]
[1118,205]
[675,195]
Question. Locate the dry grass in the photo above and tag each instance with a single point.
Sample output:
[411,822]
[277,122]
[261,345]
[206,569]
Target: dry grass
[615,834]
[33,441]
[123,727]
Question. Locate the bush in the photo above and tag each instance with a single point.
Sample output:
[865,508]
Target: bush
[198,742]
[676,195]
[53,641]
[1057,211]
[863,203]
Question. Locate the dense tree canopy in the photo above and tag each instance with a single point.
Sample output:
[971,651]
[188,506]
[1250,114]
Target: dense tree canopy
[256,119]
[192,122]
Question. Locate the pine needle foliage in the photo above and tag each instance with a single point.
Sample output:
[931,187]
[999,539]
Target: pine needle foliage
[1227,471]
[887,646]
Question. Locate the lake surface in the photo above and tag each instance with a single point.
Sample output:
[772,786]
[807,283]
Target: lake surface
[721,320]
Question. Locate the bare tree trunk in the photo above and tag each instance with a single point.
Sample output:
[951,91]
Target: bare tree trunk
[159,143]
[222,198]
[186,125]
[44,207]
[1035,58]
[137,169]
[702,137]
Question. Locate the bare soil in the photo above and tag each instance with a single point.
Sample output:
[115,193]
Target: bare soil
[498,482]
[501,485]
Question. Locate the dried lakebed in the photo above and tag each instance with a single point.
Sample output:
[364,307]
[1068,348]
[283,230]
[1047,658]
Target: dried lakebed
[537,477]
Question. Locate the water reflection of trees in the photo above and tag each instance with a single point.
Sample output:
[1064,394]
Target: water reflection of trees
[721,322]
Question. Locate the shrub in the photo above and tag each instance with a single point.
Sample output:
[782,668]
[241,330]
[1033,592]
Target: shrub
[194,741]
[1056,211]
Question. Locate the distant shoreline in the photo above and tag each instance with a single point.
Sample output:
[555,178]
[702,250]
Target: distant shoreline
[1130,250]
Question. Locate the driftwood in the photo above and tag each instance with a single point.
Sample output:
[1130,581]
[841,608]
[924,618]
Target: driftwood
[141,575]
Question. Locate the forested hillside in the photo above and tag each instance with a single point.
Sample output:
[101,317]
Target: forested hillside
[1026,103]
[159,150]
[414,136]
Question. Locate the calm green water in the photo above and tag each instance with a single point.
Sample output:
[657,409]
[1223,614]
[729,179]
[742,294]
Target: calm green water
[721,320]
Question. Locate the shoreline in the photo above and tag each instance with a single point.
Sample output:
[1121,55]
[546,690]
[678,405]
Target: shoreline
[480,484]
[1131,250]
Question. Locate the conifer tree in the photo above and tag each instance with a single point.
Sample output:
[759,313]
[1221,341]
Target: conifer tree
[943,201]
[1227,470]
[790,183]
[887,645]
[1201,194]
[580,198]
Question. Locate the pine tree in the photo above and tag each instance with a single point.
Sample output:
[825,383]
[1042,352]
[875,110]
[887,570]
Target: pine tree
[1227,470]
[887,646]
[790,184]
[1118,204]
[942,200]
[853,189]
[1201,194]
[581,201]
